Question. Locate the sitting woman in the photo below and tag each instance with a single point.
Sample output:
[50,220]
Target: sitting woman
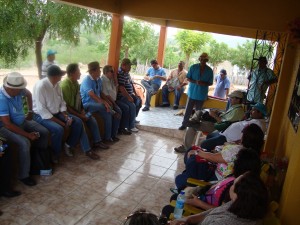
[209,166]
[248,205]
[216,195]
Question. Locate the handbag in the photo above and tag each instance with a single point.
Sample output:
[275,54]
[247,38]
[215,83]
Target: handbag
[172,84]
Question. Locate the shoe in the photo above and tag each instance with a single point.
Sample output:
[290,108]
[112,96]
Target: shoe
[101,145]
[180,149]
[28,181]
[115,139]
[10,194]
[108,141]
[124,131]
[92,155]
[145,109]
[68,151]
[54,159]
[136,121]
[182,127]
[175,107]
[135,130]
[174,190]
[165,105]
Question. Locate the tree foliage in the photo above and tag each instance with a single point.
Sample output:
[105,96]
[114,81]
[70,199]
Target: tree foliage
[191,41]
[218,52]
[25,24]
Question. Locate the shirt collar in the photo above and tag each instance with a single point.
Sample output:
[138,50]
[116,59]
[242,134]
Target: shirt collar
[4,92]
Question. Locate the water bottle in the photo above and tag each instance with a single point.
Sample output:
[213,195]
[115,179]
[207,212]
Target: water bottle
[3,147]
[179,205]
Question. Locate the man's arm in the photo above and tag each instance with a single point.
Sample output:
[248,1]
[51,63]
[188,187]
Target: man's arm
[122,89]
[28,96]
[99,100]
[212,157]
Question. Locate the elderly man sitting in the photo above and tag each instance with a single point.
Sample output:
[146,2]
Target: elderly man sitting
[233,114]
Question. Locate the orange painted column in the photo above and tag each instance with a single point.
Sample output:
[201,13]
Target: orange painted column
[162,45]
[115,40]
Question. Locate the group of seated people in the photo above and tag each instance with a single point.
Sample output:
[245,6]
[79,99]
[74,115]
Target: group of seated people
[61,113]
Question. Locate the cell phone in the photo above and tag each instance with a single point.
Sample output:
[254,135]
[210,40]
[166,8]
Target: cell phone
[88,114]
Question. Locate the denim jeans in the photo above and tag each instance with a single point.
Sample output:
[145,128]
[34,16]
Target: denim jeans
[24,143]
[189,108]
[128,113]
[111,124]
[177,93]
[138,104]
[212,140]
[77,132]
[94,129]
[151,90]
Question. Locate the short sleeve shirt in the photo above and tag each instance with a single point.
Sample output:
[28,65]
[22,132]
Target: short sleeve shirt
[12,107]
[195,91]
[221,86]
[89,84]
[152,72]
[233,114]
[71,93]
[109,87]
[124,79]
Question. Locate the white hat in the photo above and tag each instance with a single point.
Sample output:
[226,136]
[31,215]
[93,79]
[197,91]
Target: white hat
[15,80]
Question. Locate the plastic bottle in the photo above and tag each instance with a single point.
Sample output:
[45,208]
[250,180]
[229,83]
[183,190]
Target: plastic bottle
[179,205]
[3,147]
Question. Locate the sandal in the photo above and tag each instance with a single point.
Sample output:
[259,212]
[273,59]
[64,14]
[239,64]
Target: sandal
[92,155]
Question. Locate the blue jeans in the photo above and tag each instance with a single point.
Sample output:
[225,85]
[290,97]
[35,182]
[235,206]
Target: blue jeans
[77,132]
[138,104]
[189,108]
[111,124]
[128,113]
[151,90]
[212,140]
[24,144]
[177,93]
[94,129]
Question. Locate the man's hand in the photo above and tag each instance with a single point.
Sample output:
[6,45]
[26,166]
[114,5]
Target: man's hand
[33,136]
[29,116]
[107,106]
[192,201]
[192,152]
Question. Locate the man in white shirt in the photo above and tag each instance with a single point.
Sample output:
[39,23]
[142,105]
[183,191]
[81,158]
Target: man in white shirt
[48,62]
[234,132]
[51,111]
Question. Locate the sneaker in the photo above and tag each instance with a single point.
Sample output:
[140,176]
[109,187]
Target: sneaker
[180,149]
[134,130]
[68,151]
[174,190]
[175,107]
[92,155]
[182,127]
[145,109]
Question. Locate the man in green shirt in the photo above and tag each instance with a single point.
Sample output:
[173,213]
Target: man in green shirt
[71,93]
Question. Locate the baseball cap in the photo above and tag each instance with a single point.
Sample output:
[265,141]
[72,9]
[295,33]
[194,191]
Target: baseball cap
[51,52]
[236,94]
[222,71]
[54,70]
[260,107]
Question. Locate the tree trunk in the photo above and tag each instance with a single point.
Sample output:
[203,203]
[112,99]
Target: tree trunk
[187,61]
[38,56]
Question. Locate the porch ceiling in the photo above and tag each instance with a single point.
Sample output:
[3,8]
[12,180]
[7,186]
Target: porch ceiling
[231,17]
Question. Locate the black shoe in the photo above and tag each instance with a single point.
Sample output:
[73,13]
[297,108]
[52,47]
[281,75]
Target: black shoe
[124,132]
[175,107]
[29,181]
[145,109]
[182,127]
[165,105]
[10,194]
[115,139]
[101,145]
[108,141]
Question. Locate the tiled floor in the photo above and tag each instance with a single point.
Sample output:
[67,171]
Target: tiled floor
[135,172]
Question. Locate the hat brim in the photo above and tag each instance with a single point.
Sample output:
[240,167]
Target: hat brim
[23,86]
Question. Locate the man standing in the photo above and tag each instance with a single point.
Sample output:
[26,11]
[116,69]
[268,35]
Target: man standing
[50,110]
[175,82]
[18,128]
[71,93]
[48,62]
[259,81]
[222,85]
[152,82]
[94,100]
[127,99]
[200,77]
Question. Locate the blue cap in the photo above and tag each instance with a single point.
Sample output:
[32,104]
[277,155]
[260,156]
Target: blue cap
[51,52]
[260,107]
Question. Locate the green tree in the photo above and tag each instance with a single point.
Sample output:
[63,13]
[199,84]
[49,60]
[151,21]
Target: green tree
[242,55]
[135,34]
[191,41]
[218,53]
[26,24]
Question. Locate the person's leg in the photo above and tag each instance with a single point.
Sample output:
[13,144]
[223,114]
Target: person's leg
[188,111]
[116,122]
[56,132]
[23,146]
[106,116]
[138,104]
[124,123]
[6,171]
[132,114]
[94,129]
[165,95]
[189,137]
[198,104]
[43,140]
[211,143]
[177,94]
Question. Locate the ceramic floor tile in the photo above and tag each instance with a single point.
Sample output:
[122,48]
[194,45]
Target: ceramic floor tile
[94,218]
[161,161]
[129,192]
[142,180]
[152,170]
[170,175]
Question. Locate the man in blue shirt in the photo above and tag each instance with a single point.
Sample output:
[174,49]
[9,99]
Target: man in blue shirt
[152,82]
[222,85]
[200,77]
[17,127]
[94,100]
